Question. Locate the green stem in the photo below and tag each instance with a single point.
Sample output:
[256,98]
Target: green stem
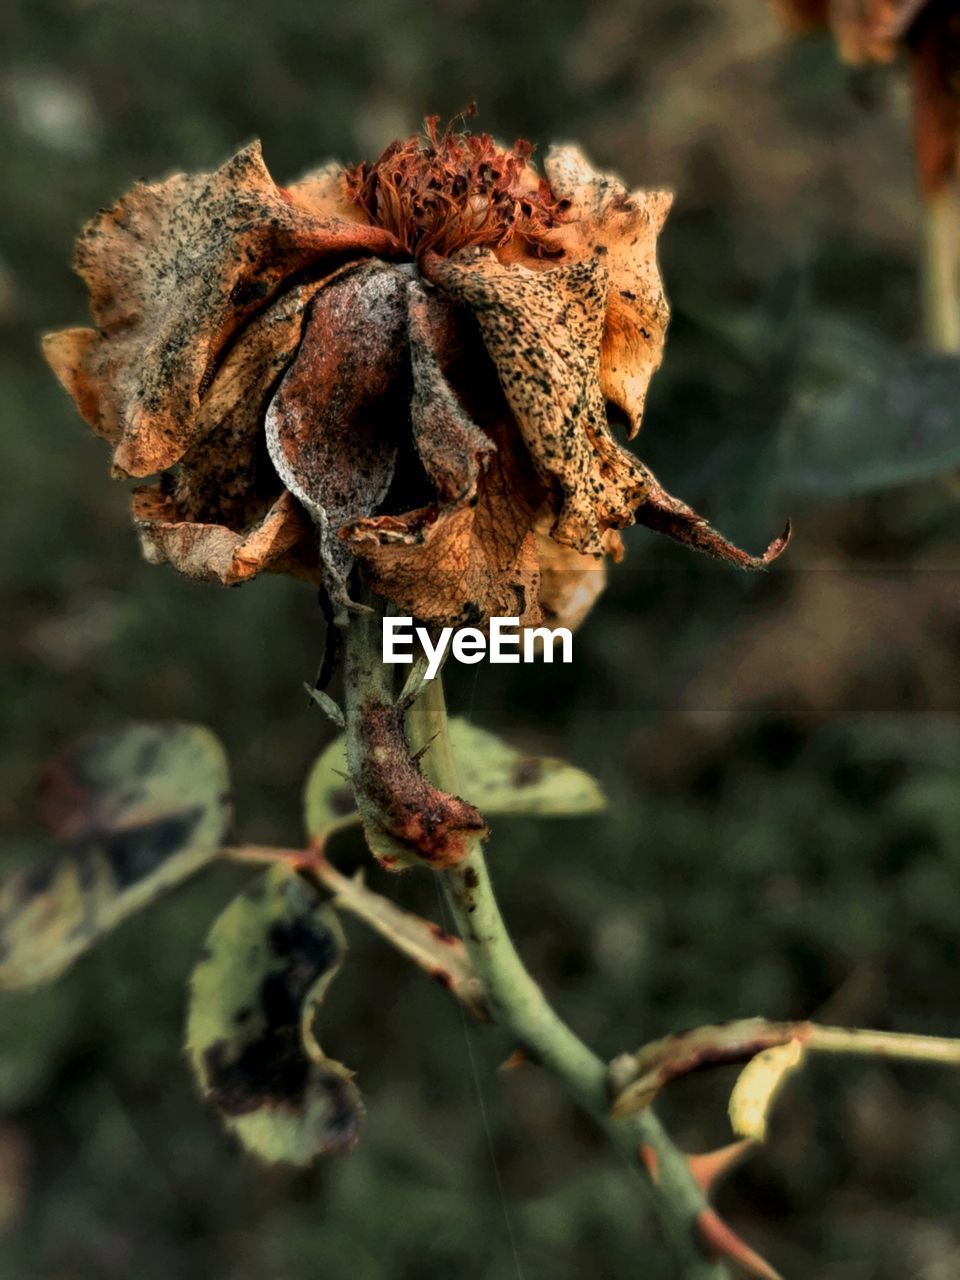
[519,1005]
[941,268]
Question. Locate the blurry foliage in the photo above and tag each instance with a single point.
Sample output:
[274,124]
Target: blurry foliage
[783,838]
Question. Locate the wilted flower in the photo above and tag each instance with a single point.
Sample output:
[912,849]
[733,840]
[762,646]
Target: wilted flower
[927,32]
[406,366]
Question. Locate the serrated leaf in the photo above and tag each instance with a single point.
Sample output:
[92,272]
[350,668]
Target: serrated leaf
[499,779]
[758,1085]
[138,811]
[269,959]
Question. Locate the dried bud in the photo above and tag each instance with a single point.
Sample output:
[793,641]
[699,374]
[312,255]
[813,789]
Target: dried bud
[404,368]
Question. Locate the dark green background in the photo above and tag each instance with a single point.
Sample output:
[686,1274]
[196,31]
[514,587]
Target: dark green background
[782,753]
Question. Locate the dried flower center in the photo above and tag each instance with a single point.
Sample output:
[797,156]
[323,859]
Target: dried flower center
[440,192]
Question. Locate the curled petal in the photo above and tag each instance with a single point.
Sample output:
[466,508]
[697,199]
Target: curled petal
[321,192]
[213,552]
[622,228]
[68,354]
[333,426]
[226,477]
[542,330]
[442,567]
[665,514]
[466,562]
[175,270]
[451,446]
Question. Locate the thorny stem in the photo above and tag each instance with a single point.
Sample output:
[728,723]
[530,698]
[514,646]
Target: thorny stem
[518,1004]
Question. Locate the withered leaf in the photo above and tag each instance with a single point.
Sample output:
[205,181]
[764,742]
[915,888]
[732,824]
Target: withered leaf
[137,812]
[621,227]
[334,423]
[638,1078]
[175,270]
[758,1086]
[441,955]
[268,961]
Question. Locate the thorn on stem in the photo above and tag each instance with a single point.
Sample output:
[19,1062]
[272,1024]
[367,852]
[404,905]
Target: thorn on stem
[709,1168]
[720,1241]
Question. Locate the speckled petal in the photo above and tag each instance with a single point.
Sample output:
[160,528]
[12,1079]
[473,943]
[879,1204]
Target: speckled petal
[321,192]
[175,270]
[467,562]
[570,583]
[227,477]
[621,227]
[212,552]
[451,447]
[543,330]
[334,424]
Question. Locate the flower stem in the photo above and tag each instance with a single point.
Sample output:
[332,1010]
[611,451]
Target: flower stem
[941,268]
[518,1004]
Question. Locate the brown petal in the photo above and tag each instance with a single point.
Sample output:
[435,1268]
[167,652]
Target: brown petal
[449,444]
[464,563]
[321,192]
[542,329]
[227,476]
[621,227]
[174,271]
[214,552]
[68,353]
[570,583]
[332,428]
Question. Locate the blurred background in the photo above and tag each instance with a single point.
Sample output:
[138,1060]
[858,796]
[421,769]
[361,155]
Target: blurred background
[782,752]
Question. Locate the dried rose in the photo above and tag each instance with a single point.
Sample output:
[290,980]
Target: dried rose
[927,32]
[405,366]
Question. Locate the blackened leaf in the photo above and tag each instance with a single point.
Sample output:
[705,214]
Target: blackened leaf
[883,420]
[269,959]
[500,779]
[138,811]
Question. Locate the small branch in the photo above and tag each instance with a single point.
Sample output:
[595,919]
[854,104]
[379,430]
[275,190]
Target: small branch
[885,1044]
[636,1079]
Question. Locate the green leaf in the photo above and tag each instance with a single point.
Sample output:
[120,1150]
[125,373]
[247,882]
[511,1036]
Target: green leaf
[499,779]
[269,959]
[138,810]
[328,796]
